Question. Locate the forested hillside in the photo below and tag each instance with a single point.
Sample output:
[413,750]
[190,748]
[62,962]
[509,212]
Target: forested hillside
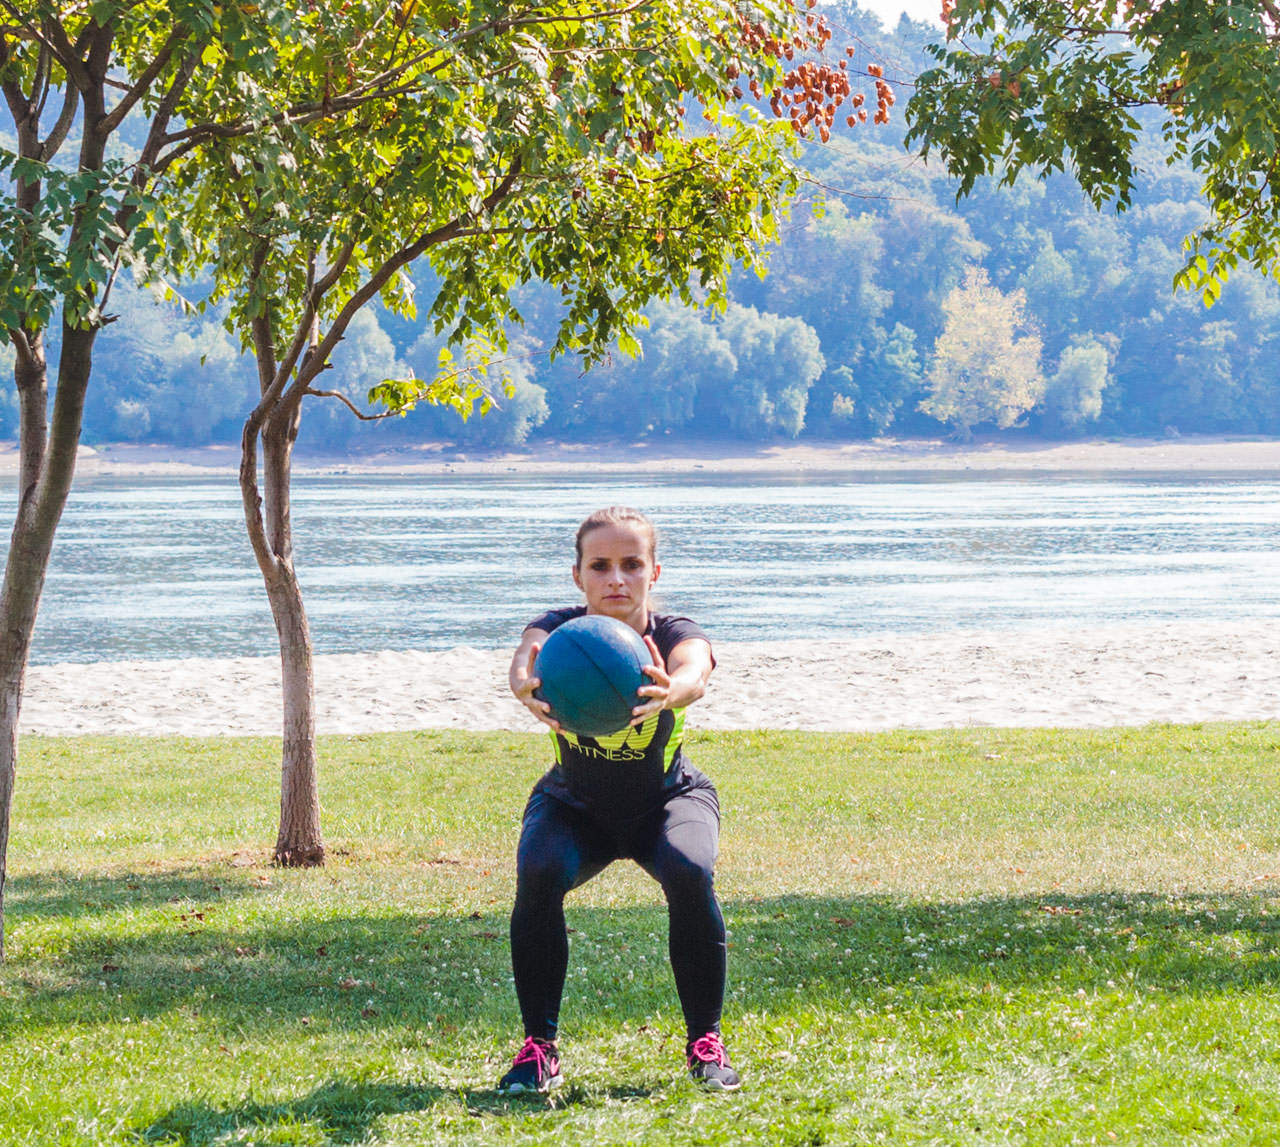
[896,310]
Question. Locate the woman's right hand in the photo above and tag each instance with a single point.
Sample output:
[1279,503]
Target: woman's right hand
[524,684]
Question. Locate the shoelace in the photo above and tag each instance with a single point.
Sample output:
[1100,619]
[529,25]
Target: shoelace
[533,1052]
[708,1049]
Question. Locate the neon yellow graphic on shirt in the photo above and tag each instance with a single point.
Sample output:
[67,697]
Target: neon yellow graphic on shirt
[630,743]
[632,736]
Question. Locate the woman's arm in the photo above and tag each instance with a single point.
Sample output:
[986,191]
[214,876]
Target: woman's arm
[522,681]
[678,682]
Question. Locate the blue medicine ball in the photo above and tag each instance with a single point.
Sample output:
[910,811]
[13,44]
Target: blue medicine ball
[591,667]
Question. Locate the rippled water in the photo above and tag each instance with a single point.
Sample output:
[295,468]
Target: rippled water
[156,568]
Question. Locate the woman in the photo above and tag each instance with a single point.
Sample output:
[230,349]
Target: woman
[630,794]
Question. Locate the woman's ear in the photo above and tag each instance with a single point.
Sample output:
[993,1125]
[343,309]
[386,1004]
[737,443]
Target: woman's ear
[657,569]
[577,580]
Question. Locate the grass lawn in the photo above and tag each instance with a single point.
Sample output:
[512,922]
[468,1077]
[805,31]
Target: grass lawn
[984,936]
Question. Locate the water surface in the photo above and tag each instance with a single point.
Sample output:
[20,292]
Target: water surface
[160,567]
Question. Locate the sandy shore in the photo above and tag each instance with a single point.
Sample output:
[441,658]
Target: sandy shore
[1122,675]
[1125,675]
[1127,455]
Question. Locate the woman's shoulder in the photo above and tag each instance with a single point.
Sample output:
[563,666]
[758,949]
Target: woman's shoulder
[669,630]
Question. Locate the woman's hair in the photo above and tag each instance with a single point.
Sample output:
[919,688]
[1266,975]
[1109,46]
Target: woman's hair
[618,516]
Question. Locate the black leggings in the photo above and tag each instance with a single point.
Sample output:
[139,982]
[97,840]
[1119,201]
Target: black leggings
[562,847]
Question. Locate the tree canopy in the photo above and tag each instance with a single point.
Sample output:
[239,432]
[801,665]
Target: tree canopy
[513,145]
[1042,85]
[868,278]
[481,147]
[986,365]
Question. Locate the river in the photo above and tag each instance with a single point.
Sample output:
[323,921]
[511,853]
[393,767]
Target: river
[148,568]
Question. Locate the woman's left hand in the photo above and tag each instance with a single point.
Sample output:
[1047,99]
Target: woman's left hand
[655,694]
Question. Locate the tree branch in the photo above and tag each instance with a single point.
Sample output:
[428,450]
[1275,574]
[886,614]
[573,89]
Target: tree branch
[40,83]
[22,23]
[270,381]
[58,133]
[21,344]
[320,289]
[66,53]
[585,18]
[382,275]
[16,98]
[351,406]
[149,156]
[144,81]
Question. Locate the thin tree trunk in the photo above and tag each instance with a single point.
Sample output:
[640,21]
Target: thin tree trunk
[46,470]
[23,580]
[299,842]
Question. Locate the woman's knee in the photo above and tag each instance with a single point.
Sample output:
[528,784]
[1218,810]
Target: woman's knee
[685,878]
[542,875]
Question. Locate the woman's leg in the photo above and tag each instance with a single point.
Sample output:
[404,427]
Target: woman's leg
[558,851]
[682,857]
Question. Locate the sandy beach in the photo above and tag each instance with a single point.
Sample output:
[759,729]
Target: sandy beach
[1079,677]
[1191,453]
[1122,675]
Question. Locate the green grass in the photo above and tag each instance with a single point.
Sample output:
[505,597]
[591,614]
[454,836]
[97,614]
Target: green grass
[984,936]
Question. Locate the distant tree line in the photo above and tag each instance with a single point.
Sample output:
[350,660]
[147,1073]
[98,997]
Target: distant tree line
[897,310]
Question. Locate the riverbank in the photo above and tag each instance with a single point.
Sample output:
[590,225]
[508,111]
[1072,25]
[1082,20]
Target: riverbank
[1121,675]
[1193,453]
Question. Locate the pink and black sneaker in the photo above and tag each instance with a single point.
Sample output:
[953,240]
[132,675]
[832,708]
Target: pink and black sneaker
[709,1064]
[536,1068]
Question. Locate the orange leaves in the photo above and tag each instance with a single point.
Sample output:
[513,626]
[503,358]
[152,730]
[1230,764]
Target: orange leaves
[813,91]
[1013,86]
[884,101]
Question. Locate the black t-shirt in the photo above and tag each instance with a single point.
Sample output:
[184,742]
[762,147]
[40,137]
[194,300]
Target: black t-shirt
[635,770]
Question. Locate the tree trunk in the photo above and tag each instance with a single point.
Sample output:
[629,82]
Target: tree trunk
[299,842]
[46,470]
[23,581]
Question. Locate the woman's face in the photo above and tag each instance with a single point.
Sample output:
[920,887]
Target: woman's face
[616,572]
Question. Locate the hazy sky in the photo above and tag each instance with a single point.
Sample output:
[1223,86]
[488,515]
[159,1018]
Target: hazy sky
[890,10]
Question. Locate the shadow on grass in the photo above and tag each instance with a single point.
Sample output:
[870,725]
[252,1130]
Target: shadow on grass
[795,950]
[345,1112]
[393,976]
[75,896]
[386,991]
[340,1110]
